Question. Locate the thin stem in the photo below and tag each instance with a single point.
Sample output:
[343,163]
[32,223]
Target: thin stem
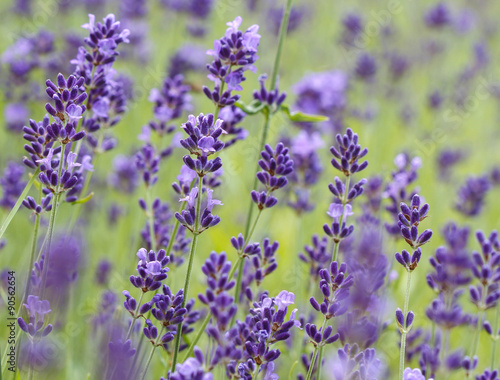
[84,191]
[52,220]
[32,254]
[239,279]
[477,334]
[151,218]
[145,371]
[268,116]
[315,354]
[217,108]
[311,366]
[173,235]
[341,218]
[143,376]
[134,318]
[18,203]
[189,270]
[50,232]
[494,344]
[402,352]
[281,41]
[320,360]
[256,373]
[207,318]
[198,336]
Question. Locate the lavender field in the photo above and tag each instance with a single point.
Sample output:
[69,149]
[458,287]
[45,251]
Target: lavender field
[229,189]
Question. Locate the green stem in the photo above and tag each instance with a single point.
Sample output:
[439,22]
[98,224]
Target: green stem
[267,122]
[134,318]
[477,334]
[402,351]
[32,254]
[315,354]
[311,366]
[207,318]
[53,214]
[494,344]
[198,336]
[256,373]
[50,232]
[19,201]
[189,270]
[143,376]
[268,116]
[320,360]
[341,219]
[281,41]
[83,193]
[217,108]
[151,218]
[239,279]
[173,235]
[145,371]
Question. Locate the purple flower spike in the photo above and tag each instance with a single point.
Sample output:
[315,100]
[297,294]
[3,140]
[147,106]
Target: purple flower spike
[271,98]
[413,374]
[37,309]
[409,220]
[470,197]
[347,154]
[276,165]
[407,261]
[152,270]
[232,55]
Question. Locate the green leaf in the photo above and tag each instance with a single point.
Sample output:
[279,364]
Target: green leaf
[83,200]
[252,108]
[302,117]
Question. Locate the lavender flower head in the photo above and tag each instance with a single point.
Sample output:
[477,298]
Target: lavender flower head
[276,164]
[348,153]
[37,310]
[233,54]
[409,220]
[151,268]
[12,184]
[413,374]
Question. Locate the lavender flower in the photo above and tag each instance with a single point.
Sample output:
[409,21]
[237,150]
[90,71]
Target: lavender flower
[361,364]
[334,286]
[188,57]
[348,153]
[191,369]
[12,184]
[323,93]
[36,325]
[276,165]
[317,255]
[169,312]
[437,16]
[273,99]
[409,220]
[397,190]
[451,262]
[15,115]
[470,197]
[366,67]
[148,162]
[413,374]
[170,101]
[233,54]
[486,270]
[151,269]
